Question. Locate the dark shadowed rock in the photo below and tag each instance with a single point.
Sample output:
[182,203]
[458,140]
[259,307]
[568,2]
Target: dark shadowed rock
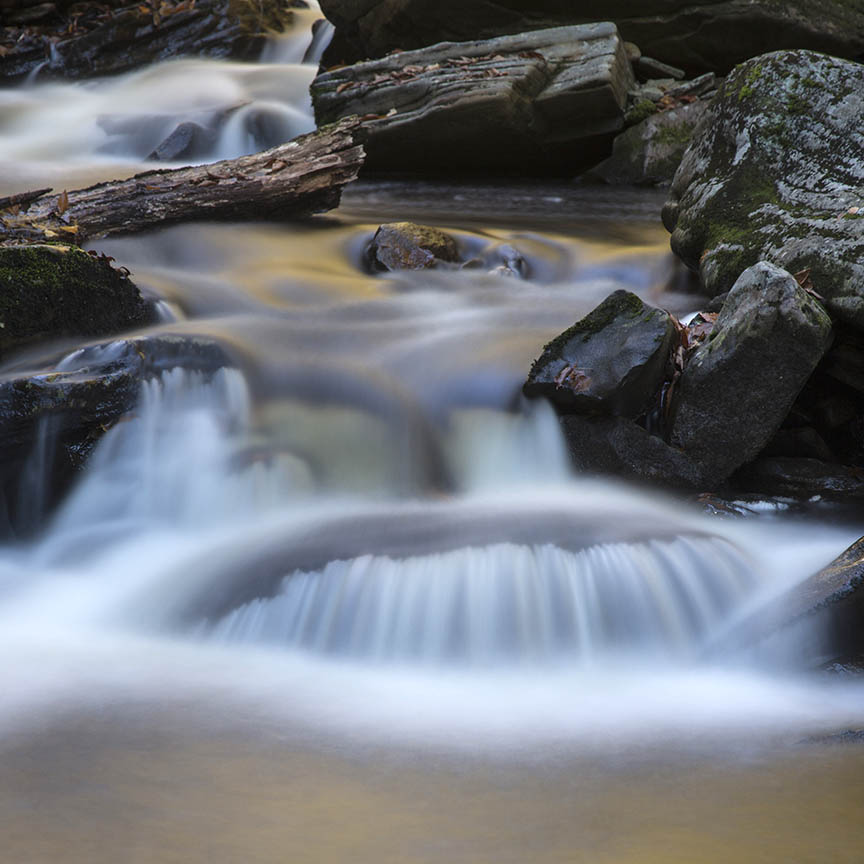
[617,446]
[134,34]
[802,478]
[53,292]
[650,152]
[697,36]
[484,106]
[775,172]
[741,382]
[819,621]
[407,246]
[611,362]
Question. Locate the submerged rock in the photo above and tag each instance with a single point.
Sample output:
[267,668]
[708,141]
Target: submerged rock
[52,292]
[484,106]
[134,34]
[611,362]
[775,172]
[408,246]
[188,141]
[708,35]
[817,622]
[650,152]
[739,385]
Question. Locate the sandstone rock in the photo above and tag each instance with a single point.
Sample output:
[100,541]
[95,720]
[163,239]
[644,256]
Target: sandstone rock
[406,246]
[775,172]
[611,362]
[483,106]
[705,35]
[740,383]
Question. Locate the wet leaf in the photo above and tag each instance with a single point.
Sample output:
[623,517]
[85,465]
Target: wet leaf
[62,203]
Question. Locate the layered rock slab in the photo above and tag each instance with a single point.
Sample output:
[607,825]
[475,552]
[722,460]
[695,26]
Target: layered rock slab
[540,102]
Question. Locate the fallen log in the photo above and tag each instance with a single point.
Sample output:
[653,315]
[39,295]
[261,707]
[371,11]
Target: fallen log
[293,180]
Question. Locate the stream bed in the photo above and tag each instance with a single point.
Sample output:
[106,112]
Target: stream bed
[345,598]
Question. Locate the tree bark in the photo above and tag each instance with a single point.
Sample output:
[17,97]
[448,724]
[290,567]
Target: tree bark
[292,180]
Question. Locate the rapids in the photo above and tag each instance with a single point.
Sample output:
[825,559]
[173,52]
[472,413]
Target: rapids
[354,559]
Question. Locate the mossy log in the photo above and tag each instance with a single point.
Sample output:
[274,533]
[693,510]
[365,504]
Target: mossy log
[292,180]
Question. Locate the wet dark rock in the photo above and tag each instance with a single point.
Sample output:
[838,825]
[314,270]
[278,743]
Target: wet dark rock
[710,35]
[54,292]
[611,362]
[775,172]
[486,106]
[135,34]
[188,141]
[620,447]
[817,622]
[53,420]
[740,384]
[802,478]
[650,152]
[408,246]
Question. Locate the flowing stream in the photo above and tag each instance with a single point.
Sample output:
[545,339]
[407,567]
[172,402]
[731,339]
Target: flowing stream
[342,597]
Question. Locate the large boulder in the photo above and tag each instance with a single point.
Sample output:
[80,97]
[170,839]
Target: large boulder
[775,172]
[740,384]
[53,292]
[612,362]
[699,36]
[133,34]
[483,106]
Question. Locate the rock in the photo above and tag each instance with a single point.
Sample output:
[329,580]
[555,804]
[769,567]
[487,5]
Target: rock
[65,413]
[817,622]
[707,35]
[647,68]
[406,246]
[617,446]
[802,478]
[650,152]
[187,141]
[739,385]
[54,292]
[135,34]
[485,106]
[774,172]
[611,362]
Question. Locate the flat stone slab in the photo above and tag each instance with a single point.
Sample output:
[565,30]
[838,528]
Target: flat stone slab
[540,102]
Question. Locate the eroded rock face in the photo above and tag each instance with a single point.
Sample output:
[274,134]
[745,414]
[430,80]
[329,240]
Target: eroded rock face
[611,362]
[135,34]
[775,172]
[740,383]
[53,292]
[483,106]
[407,246]
[698,36]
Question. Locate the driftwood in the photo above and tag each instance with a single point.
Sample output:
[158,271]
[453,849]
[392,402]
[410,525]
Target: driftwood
[292,180]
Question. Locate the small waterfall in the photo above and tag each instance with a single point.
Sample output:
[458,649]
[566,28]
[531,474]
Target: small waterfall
[504,603]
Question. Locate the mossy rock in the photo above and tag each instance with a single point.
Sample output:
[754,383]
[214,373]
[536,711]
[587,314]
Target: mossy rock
[408,246]
[612,362]
[775,172]
[55,292]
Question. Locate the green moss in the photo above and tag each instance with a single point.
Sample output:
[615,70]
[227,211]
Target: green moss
[675,134]
[640,111]
[748,88]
